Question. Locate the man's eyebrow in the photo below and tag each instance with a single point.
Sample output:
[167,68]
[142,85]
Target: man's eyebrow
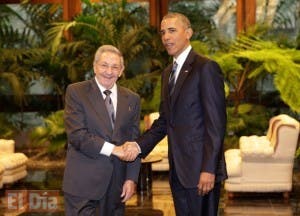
[168,29]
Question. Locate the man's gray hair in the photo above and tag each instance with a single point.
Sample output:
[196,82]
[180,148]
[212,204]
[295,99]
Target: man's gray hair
[108,48]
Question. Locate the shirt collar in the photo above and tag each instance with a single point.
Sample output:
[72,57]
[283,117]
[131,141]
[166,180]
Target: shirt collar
[102,88]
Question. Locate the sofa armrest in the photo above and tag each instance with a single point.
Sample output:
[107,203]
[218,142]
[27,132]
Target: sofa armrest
[233,162]
[7,146]
[256,146]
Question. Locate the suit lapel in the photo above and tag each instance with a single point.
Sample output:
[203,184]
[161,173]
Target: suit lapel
[97,102]
[184,72]
[165,81]
[121,106]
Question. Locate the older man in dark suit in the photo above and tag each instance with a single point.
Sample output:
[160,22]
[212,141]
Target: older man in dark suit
[99,116]
[193,115]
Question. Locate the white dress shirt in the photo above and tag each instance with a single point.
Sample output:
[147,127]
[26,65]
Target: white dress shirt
[180,60]
[107,146]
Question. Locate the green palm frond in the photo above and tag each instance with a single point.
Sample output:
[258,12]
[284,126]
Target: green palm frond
[39,17]
[6,12]
[200,47]
[287,81]
[286,14]
[251,42]
[14,84]
[53,132]
[15,38]
[55,122]
[14,76]
[56,34]
[287,72]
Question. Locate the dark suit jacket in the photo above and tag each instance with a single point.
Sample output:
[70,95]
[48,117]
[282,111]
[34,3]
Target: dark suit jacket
[88,173]
[194,119]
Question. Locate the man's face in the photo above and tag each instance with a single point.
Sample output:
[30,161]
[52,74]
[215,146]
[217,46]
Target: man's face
[175,36]
[108,69]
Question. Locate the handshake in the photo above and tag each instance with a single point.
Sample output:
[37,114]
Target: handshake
[127,152]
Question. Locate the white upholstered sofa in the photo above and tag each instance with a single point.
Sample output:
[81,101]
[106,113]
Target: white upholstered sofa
[264,163]
[161,149]
[12,165]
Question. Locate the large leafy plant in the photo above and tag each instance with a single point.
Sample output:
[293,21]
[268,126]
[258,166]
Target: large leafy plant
[24,51]
[251,59]
[109,22]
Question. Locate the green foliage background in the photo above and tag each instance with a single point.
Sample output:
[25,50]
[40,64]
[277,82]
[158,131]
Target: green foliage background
[43,49]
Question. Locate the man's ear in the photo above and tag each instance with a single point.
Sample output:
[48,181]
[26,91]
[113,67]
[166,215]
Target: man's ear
[189,32]
[121,72]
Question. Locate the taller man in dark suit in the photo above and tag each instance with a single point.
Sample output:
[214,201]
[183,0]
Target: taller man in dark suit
[193,115]
[99,116]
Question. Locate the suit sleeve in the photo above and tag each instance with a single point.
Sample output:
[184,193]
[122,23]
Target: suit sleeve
[213,102]
[156,132]
[133,168]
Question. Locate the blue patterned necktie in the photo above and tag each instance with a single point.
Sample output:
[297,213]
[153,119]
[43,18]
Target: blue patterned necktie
[109,106]
[172,78]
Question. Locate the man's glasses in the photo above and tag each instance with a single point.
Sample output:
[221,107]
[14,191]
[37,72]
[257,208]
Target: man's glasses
[114,68]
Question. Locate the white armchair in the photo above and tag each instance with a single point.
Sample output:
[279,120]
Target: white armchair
[265,163]
[13,164]
[161,149]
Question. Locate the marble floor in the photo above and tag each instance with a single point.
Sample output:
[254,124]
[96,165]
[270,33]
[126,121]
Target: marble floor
[160,202]
[243,204]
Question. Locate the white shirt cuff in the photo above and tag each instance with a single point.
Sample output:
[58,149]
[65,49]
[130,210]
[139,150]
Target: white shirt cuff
[107,148]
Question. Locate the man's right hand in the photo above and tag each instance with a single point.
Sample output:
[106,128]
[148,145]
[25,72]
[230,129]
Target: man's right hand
[127,152]
[132,150]
[118,151]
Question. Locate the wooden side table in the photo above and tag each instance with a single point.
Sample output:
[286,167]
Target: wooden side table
[144,186]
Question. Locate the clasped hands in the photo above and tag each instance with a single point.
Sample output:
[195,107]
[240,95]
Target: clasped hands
[127,152]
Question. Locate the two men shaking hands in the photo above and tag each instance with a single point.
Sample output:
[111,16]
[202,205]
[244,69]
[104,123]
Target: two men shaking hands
[127,152]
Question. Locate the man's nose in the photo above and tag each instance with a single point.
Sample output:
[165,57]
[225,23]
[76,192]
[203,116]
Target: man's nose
[165,37]
[109,69]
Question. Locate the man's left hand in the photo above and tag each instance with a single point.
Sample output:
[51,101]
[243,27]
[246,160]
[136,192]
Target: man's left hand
[129,188]
[206,183]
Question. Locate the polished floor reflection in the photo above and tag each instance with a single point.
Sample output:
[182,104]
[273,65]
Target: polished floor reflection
[160,201]
[243,204]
